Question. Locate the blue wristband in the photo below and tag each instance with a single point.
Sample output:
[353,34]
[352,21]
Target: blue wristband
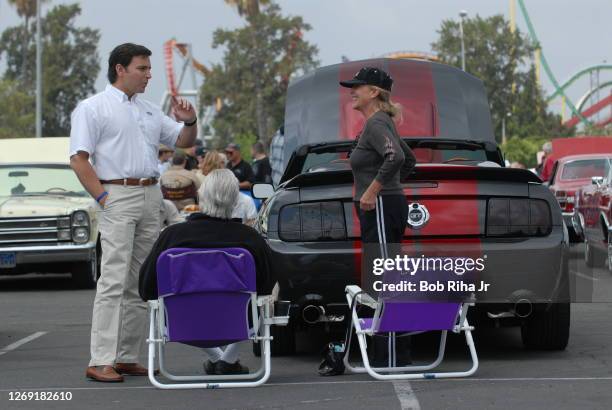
[102,195]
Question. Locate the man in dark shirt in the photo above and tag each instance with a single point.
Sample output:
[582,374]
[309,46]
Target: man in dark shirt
[261,164]
[192,156]
[239,167]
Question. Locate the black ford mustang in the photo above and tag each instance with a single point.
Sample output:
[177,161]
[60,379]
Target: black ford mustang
[460,193]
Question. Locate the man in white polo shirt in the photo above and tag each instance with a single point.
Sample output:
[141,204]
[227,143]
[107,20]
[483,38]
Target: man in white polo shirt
[121,133]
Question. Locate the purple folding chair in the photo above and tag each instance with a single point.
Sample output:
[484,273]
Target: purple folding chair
[393,317]
[204,299]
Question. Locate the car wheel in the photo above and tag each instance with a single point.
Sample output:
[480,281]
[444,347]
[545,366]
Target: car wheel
[592,258]
[283,342]
[86,274]
[547,328]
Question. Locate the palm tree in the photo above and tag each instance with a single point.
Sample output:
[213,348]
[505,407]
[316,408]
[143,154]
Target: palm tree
[247,7]
[27,10]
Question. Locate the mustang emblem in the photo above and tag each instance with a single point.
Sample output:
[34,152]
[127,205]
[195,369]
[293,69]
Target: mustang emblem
[418,215]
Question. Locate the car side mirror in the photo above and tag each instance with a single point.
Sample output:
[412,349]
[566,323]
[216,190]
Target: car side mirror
[599,181]
[262,191]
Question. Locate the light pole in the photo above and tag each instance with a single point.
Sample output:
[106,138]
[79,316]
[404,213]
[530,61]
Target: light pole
[509,114]
[38,74]
[462,15]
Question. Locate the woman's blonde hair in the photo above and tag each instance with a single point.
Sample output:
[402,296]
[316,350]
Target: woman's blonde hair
[210,162]
[386,105]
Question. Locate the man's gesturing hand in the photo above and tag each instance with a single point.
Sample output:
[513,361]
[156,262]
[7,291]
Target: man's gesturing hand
[183,110]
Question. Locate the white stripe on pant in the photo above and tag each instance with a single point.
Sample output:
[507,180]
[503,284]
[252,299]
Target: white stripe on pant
[129,226]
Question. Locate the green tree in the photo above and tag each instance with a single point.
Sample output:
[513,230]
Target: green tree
[25,9]
[70,64]
[16,114]
[523,150]
[253,77]
[245,141]
[503,60]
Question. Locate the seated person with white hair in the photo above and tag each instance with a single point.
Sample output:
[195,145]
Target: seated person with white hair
[212,228]
[245,207]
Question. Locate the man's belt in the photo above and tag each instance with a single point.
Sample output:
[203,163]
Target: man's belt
[131,181]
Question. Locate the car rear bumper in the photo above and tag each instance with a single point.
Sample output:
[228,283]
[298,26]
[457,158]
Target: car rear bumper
[319,272]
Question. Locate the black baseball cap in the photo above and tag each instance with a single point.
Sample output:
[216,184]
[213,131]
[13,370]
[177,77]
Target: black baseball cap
[232,147]
[370,76]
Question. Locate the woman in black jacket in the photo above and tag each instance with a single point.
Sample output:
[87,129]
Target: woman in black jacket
[378,159]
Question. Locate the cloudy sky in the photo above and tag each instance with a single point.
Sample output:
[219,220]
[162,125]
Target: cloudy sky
[574,34]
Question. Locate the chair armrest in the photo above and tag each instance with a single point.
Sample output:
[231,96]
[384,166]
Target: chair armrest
[352,290]
[265,300]
[362,297]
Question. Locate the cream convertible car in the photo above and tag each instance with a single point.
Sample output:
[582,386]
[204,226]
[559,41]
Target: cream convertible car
[48,222]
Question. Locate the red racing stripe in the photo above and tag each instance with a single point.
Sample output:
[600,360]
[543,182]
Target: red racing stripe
[417,96]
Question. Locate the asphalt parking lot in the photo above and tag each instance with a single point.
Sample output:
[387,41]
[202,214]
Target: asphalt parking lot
[44,342]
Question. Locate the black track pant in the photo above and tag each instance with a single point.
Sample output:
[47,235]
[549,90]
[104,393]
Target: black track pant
[394,215]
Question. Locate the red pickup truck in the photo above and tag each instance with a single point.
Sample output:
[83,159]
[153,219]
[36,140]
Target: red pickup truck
[593,216]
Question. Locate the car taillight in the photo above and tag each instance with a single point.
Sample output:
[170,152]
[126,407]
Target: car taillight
[566,200]
[516,217]
[314,221]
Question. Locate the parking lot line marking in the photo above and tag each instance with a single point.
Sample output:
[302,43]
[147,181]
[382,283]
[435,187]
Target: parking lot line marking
[405,395]
[500,379]
[20,342]
[583,276]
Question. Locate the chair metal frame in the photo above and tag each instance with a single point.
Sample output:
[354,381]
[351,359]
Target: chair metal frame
[355,294]
[262,319]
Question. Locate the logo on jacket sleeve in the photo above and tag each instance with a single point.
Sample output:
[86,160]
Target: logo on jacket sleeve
[418,215]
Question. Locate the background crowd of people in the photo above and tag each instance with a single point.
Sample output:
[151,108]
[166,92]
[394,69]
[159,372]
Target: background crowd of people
[183,172]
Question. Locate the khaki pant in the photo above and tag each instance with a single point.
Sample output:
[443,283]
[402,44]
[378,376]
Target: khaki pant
[129,226]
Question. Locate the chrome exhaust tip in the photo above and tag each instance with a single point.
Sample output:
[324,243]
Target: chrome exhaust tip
[523,308]
[313,314]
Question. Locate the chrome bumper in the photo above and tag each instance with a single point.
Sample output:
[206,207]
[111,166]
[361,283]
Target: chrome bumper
[568,217]
[50,254]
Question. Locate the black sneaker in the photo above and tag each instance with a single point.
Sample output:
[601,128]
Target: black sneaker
[209,367]
[222,367]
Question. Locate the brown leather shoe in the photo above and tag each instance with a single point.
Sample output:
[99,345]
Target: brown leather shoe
[132,369]
[103,374]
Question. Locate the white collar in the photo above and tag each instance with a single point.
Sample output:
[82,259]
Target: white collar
[118,93]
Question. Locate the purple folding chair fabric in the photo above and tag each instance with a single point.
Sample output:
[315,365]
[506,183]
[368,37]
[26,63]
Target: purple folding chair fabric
[189,270]
[206,294]
[415,317]
[207,319]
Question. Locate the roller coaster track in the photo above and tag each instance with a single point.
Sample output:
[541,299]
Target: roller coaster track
[577,76]
[558,89]
[595,108]
[589,93]
[182,49]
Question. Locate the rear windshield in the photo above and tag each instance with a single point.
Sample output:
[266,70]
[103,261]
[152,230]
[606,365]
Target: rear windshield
[431,154]
[585,168]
